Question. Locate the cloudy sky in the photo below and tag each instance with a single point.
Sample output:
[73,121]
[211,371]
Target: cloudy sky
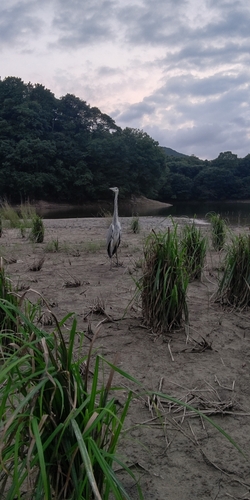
[178,69]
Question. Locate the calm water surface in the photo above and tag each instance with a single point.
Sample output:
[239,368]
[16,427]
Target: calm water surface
[235,212]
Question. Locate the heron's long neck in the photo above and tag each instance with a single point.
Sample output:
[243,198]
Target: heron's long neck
[115,216]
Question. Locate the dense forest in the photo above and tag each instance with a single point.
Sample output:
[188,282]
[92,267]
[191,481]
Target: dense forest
[63,150]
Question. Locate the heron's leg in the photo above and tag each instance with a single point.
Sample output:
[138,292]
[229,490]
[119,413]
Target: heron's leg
[117,263]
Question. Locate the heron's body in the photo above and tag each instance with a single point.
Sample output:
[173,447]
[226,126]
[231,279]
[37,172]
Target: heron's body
[114,232]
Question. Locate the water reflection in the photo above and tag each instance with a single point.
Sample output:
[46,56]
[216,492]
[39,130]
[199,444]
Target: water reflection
[235,212]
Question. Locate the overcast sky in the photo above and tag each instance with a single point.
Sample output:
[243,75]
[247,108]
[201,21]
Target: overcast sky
[177,69]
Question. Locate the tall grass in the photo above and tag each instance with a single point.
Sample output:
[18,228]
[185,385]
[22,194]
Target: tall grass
[135,224]
[22,217]
[164,282]
[234,285]
[7,322]
[219,230]
[59,433]
[194,247]
[27,212]
[10,214]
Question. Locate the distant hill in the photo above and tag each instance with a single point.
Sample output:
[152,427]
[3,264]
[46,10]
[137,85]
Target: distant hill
[171,152]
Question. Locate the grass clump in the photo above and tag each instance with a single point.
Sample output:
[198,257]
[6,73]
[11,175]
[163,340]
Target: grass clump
[37,230]
[135,225]
[194,247]
[58,435]
[219,230]
[234,285]
[92,246]
[53,246]
[164,282]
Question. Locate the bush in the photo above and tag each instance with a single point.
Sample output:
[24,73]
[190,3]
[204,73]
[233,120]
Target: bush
[37,230]
[194,247]
[164,282]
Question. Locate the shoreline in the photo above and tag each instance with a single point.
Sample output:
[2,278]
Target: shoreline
[140,201]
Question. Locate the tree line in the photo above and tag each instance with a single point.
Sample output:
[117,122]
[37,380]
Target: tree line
[64,150]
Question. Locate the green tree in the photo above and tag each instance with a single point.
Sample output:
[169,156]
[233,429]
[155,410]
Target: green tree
[216,184]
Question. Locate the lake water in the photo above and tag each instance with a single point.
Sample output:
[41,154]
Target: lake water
[236,213]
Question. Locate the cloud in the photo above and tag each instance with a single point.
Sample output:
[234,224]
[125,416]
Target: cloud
[135,112]
[18,22]
[176,69]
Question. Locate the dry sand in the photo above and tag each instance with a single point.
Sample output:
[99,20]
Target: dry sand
[176,456]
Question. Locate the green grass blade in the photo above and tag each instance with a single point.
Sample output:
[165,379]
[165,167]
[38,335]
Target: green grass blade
[86,459]
[40,452]
[110,477]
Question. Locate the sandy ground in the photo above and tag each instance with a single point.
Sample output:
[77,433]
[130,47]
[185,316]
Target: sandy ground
[173,453]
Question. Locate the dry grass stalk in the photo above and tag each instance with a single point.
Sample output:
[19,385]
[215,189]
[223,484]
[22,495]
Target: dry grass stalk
[208,402]
[201,346]
[72,284]
[23,287]
[99,308]
[37,265]
[46,319]
[11,260]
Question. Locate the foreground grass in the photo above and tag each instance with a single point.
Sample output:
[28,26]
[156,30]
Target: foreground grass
[58,435]
[59,432]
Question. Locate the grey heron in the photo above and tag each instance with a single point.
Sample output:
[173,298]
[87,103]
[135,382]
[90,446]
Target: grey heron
[114,232]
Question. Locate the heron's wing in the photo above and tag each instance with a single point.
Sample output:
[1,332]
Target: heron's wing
[110,233]
[113,239]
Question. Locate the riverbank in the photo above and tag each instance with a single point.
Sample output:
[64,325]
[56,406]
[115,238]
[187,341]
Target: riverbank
[135,204]
[173,453]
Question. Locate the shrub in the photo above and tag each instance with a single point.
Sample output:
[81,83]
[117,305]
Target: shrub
[194,246]
[164,282]
[218,226]
[234,285]
[37,230]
